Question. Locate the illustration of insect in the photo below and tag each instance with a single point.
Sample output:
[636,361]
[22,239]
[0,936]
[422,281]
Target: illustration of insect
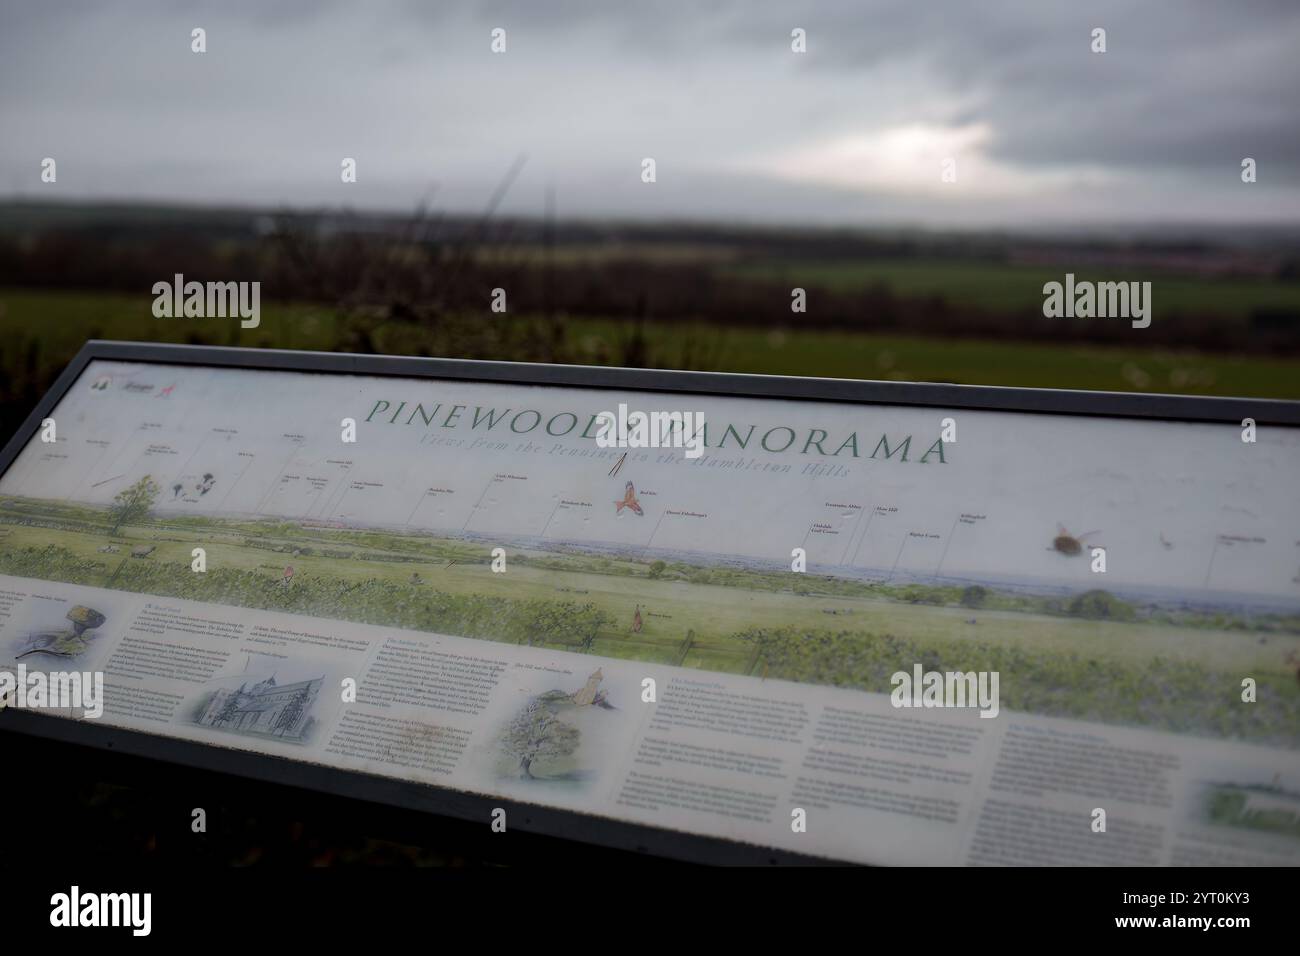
[1066,543]
[629,501]
[206,484]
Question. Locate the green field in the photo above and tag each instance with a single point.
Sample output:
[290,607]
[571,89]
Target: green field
[1010,287]
[1228,805]
[40,331]
[1122,665]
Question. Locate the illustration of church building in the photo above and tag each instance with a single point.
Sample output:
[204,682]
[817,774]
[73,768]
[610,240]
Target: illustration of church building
[267,708]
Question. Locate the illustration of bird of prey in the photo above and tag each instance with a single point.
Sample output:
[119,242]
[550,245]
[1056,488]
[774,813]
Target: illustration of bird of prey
[628,501]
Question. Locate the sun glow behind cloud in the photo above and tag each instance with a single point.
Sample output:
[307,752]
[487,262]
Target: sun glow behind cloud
[909,159]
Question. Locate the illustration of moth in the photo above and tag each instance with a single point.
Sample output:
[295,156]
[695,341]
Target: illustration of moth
[1066,543]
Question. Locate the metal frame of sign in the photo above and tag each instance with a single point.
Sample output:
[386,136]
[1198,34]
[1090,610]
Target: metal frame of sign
[564,824]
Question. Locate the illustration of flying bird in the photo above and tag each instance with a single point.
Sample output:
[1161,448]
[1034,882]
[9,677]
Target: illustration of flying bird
[629,501]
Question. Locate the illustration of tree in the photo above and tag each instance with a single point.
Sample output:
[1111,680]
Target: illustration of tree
[591,630]
[228,710]
[132,505]
[1098,604]
[292,711]
[537,733]
[657,569]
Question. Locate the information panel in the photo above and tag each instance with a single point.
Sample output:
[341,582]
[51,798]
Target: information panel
[867,632]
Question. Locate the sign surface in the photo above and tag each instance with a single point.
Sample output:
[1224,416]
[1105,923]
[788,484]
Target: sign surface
[882,633]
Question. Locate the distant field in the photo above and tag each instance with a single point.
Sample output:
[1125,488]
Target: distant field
[40,331]
[1144,673]
[713,612]
[982,362]
[60,322]
[964,361]
[1011,287]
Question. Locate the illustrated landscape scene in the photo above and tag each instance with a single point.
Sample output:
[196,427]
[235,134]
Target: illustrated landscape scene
[1087,654]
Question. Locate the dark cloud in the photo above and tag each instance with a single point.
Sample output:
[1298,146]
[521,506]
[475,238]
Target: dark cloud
[1186,89]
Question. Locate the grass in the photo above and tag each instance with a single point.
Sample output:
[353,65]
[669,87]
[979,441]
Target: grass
[41,330]
[1009,287]
[62,321]
[370,580]
[982,362]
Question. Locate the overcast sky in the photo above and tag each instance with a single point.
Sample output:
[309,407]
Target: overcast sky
[854,131]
